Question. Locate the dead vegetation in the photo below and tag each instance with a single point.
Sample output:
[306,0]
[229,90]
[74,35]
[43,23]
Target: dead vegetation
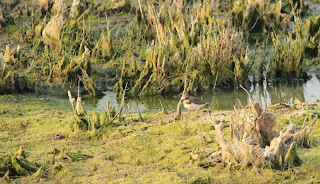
[94,124]
[255,141]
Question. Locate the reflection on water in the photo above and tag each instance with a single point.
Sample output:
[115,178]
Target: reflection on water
[145,103]
[223,99]
[285,92]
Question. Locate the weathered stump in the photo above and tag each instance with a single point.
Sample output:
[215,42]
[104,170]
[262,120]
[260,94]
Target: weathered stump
[256,142]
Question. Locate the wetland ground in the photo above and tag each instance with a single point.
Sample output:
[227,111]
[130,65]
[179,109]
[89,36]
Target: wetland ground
[152,151]
[157,49]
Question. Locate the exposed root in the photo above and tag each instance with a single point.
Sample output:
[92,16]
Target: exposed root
[301,137]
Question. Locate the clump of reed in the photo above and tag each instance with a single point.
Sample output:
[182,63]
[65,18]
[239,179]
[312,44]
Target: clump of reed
[286,60]
[82,121]
[180,35]
[10,79]
[5,74]
[93,125]
[60,46]
[310,30]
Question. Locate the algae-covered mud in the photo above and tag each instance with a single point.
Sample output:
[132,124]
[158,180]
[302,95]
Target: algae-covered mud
[39,143]
[90,91]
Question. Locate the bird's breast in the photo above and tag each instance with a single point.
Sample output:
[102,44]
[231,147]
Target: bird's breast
[192,106]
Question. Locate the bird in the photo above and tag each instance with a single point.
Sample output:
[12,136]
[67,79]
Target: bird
[192,103]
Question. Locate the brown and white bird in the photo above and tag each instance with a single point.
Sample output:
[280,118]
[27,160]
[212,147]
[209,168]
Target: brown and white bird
[192,103]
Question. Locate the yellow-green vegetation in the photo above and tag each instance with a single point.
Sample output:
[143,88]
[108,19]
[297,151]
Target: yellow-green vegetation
[286,61]
[38,132]
[260,16]
[180,35]
[55,49]
[311,30]
[149,43]
[149,47]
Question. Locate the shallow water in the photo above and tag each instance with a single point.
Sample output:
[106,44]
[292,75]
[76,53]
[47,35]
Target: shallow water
[223,99]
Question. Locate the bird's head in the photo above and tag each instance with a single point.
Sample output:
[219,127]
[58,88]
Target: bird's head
[185,97]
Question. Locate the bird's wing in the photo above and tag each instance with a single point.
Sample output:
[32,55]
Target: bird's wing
[197,100]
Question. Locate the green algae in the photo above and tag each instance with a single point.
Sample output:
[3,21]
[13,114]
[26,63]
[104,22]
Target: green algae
[139,152]
[17,165]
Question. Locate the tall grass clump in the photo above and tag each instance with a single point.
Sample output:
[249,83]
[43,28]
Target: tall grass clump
[61,46]
[184,35]
[10,79]
[310,30]
[5,74]
[286,61]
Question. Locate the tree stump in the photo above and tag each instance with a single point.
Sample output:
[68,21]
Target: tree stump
[255,141]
